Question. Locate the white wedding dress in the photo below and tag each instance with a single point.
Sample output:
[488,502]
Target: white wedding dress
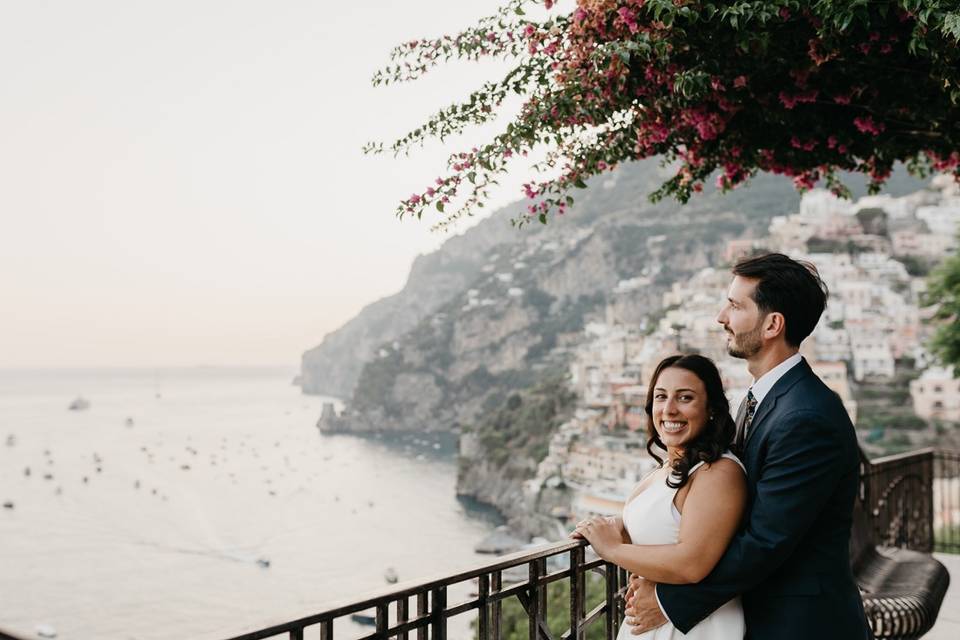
[652,518]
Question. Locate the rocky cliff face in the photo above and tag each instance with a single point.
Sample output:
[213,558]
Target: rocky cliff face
[333,367]
[452,349]
[496,306]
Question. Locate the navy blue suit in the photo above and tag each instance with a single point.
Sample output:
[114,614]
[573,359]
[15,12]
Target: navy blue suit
[790,561]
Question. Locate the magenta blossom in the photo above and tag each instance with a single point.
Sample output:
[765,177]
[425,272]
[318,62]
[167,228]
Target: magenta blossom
[866,124]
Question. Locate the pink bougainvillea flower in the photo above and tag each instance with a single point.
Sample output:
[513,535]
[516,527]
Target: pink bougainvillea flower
[866,124]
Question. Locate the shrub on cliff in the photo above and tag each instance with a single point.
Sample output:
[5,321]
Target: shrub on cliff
[944,289]
[521,427]
[515,624]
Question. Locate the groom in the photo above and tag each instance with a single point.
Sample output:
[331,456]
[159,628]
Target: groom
[790,561]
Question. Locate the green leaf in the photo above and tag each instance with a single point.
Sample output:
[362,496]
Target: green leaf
[951,25]
[439,206]
[580,184]
[542,218]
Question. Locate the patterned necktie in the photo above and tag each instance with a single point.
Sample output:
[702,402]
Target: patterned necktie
[745,418]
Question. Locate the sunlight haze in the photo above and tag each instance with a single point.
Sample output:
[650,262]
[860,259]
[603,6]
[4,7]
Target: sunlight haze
[183,183]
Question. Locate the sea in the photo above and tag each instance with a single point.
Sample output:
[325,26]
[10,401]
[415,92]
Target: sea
[202,503]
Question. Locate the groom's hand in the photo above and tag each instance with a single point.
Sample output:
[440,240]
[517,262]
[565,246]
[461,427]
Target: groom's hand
[643,612]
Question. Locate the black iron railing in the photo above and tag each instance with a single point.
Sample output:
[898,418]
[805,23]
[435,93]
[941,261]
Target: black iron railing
[910,500]
[913,500]
[946,501]
[431,610]
[899,499]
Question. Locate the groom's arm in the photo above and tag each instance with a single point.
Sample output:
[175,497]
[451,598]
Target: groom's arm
[806,458]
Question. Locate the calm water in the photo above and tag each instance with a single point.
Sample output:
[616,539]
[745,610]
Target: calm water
[154,529]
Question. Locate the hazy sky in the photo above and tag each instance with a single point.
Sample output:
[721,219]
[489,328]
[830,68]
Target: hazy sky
[182,182]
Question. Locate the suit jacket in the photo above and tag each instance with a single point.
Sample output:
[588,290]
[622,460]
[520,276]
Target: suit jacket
[790,561]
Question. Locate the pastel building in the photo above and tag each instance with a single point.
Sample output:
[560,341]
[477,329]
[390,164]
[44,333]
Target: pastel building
[941,219]
[936,395]
[871,355]
[933,246]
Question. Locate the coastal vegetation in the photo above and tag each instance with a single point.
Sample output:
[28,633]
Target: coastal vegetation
[520,428]
[515,624]
[944,294]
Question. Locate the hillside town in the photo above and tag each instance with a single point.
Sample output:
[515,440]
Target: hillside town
[869,347]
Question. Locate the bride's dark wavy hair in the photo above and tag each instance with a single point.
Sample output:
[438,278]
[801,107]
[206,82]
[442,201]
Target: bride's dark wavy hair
[718,434]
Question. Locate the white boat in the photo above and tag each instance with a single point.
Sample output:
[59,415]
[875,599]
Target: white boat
[79,404]
[390,575]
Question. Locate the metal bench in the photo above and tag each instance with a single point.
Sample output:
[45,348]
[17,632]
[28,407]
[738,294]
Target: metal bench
[902,588]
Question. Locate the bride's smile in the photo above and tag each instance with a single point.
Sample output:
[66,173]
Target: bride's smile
[679,407]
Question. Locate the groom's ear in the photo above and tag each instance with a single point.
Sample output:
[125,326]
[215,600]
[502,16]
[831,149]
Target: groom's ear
[774,325]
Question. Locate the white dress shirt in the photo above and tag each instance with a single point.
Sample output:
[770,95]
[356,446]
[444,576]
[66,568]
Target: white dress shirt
[761,387]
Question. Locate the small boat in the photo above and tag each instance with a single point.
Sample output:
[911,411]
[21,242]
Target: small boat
[390,575]
[363,617]
[79,404]
[128,422]
[46,631]
[263,562]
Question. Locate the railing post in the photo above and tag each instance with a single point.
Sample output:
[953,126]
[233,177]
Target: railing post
[533,611]
[439,623]
[542,570]
[421,612]
[326,630]
[578,605]
[497,608]
[610,578]
[403,614]
[928,480]
[483,619]
[383,619]
[623,581]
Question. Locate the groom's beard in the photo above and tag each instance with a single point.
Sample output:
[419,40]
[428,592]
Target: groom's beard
[747,344]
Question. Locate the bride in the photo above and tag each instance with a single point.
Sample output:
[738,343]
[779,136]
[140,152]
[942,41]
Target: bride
[680,518]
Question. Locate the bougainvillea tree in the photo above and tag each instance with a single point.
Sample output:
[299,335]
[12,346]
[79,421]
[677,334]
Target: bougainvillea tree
[803,88]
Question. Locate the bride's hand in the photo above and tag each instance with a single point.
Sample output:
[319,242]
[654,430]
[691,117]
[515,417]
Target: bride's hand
[642,611]
[603,534]
[631,588]
[575,534]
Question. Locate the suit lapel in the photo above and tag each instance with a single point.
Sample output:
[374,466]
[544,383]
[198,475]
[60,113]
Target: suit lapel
[769,403]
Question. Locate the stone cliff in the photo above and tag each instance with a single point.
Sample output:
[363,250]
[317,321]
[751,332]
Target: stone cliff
[453,349]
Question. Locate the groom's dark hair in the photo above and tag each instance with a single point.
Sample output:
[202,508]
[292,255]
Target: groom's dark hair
[787,286]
